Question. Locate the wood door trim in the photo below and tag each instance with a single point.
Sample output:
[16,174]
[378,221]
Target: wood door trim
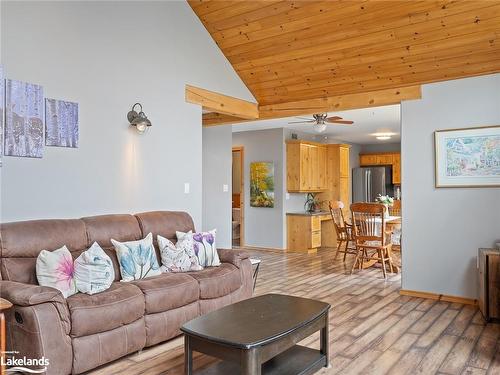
[241,150]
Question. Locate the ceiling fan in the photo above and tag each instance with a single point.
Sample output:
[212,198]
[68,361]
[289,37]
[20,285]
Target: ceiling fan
[320,120]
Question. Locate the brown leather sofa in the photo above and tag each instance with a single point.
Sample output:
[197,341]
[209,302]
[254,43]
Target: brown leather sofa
[83,332]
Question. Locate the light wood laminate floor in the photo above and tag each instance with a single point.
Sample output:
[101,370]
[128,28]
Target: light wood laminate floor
[373,330]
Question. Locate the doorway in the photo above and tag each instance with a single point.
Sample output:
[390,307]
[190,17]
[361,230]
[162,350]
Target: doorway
[238,197]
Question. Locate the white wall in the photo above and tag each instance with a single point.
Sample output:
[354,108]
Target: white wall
[217,160]
[382,147]
[263,226]
[443,228]
[107,56]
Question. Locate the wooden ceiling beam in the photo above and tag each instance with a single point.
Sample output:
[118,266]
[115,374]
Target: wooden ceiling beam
[214,119]
[340,103]
[220,103]
[327,104]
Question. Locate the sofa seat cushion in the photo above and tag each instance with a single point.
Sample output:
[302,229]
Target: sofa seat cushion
[121,304]
[168,291]
[218,281]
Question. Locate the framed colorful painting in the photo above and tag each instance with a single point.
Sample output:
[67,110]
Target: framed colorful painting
[468,157]
[262,184]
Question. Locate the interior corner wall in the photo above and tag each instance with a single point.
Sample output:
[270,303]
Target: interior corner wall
[263,226]
[444,227]
[217,170]
[106,65]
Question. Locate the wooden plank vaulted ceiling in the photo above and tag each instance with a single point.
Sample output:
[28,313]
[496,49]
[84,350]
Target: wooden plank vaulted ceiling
[289,51]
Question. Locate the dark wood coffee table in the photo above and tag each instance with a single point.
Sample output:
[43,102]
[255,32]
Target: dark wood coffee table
[260,335]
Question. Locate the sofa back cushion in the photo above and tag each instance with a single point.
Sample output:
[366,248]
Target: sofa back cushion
[164,223]
[21,242]
[103,228]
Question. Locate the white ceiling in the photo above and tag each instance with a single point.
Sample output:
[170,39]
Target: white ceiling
[367,121]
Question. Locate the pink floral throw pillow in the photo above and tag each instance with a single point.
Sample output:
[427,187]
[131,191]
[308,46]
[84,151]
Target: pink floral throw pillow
[55,269]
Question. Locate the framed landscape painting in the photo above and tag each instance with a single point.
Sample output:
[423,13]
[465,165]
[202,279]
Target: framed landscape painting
[468,157]
[262,184]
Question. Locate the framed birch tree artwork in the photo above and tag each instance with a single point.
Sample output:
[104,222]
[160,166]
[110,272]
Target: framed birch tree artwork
[61,123]
[23,119]
[468,157]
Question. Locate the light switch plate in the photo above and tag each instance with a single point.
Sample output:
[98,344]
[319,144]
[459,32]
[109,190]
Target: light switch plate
[225,188]
[287,196]
[186,187]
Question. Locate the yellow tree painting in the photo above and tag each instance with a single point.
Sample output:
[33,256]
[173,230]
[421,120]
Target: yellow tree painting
[262,184]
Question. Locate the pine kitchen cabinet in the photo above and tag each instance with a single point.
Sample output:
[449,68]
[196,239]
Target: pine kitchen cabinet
[384,158]
[306,166]
[305,231]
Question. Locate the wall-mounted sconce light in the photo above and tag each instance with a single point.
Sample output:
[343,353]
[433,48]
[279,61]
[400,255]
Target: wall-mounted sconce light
[138,119]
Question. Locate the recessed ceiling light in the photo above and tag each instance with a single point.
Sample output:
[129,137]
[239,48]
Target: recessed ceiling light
[383,136]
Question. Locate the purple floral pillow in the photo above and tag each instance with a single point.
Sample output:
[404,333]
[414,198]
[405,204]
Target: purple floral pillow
[203,247]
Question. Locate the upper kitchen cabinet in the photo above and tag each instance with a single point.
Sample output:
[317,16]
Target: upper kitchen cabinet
[384,158]
[396,169]
[306,166]
[367,159]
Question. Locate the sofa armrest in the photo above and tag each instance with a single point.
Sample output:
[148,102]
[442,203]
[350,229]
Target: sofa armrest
[232,256]
[38,325]
[29,295]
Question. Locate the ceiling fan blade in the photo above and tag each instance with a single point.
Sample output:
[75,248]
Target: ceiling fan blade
[305,118]
[302,122]
[333,118]
[341,122]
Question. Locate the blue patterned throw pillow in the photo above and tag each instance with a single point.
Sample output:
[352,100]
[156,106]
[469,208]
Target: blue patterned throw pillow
[137,258]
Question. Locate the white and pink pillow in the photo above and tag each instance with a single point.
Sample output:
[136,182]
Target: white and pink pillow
[92,272]
[56,269]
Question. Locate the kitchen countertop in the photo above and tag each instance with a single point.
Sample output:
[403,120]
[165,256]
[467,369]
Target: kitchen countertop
[304,213]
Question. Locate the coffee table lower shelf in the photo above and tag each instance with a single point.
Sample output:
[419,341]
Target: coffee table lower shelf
[298,360]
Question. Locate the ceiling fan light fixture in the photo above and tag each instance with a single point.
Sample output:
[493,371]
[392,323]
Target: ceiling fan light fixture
[319,127]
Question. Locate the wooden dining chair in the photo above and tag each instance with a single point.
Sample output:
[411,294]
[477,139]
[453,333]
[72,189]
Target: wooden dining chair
[343,230]
[372,239]
[395,210]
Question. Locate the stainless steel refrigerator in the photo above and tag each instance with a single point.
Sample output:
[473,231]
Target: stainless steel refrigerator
[369,182]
